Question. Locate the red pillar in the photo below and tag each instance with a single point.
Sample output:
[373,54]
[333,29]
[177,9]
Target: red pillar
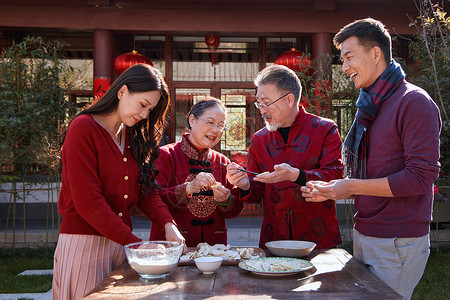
[322,55]
[103,61]
[321,44]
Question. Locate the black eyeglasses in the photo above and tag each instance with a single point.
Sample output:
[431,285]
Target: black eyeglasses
[264,105]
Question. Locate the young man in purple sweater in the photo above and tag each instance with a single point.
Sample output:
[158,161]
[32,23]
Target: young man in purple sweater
[391,155]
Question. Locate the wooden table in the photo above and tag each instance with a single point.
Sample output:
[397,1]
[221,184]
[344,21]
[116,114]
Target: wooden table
[336,275]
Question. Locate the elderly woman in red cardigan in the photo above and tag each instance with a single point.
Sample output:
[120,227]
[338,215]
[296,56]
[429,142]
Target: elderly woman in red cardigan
[193,178]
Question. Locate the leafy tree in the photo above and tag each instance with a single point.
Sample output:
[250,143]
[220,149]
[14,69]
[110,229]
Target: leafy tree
[328,92]
[431,69]
[32,105]
[79,76]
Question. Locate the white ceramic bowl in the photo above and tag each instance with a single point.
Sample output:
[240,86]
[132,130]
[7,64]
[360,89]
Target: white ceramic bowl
[153,259]
[208,264]
[290,248]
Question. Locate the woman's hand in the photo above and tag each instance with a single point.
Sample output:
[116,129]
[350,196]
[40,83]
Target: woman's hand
[221,193]
[202,180]
[174,235]
[236,177]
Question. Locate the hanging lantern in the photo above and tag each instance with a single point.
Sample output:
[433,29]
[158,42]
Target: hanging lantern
[212,41]
[126,60]
[295,60]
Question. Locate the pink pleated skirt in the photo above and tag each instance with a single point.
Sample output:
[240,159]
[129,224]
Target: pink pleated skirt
[81,262]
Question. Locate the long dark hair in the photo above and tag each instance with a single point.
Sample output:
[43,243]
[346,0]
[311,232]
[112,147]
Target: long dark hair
[146,134]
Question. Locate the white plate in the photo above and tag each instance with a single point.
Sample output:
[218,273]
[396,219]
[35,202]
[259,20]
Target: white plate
[306,265]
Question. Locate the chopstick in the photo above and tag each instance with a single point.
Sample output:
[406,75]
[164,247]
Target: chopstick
[241,169]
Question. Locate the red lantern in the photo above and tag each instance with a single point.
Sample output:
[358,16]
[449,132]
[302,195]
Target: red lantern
[295,60]
[435,190]
[101,86]
[212,41]
[126,60]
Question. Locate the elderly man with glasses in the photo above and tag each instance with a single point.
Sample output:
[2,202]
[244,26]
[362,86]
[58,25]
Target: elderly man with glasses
[293,148]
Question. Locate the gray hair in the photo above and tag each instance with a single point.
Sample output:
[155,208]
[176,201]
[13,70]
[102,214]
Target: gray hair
[201,106]
[281,76]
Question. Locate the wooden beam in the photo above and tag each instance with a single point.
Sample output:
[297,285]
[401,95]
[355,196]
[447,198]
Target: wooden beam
[199,22]
[98,3]
[324,5]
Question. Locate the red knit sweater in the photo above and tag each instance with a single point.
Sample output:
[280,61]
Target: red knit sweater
[404,147]
[100,185]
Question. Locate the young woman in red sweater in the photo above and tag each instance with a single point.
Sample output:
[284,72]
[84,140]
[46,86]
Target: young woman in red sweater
[108,155]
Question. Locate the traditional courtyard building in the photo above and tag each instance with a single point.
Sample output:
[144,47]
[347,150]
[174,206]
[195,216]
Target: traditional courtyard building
[203,47]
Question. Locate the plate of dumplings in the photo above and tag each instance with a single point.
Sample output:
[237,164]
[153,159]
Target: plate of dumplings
[275,266]
[230,255]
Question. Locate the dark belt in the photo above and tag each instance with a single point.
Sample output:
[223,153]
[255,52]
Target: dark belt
[204,193]
[197,222]
[196,170]
[195,162]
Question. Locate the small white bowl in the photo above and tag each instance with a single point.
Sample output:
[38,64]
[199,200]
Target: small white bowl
[289,248]
[208,264]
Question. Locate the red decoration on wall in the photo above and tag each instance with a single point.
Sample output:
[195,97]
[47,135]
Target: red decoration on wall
[295,60]
[322,88]
[101,86]
[304,101]
[323,92]
[126,60]
[212,41]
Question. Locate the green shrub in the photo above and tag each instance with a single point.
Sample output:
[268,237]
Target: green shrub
[32,103]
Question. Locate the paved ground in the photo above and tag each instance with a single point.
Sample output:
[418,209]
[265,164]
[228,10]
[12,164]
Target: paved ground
[242,231]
